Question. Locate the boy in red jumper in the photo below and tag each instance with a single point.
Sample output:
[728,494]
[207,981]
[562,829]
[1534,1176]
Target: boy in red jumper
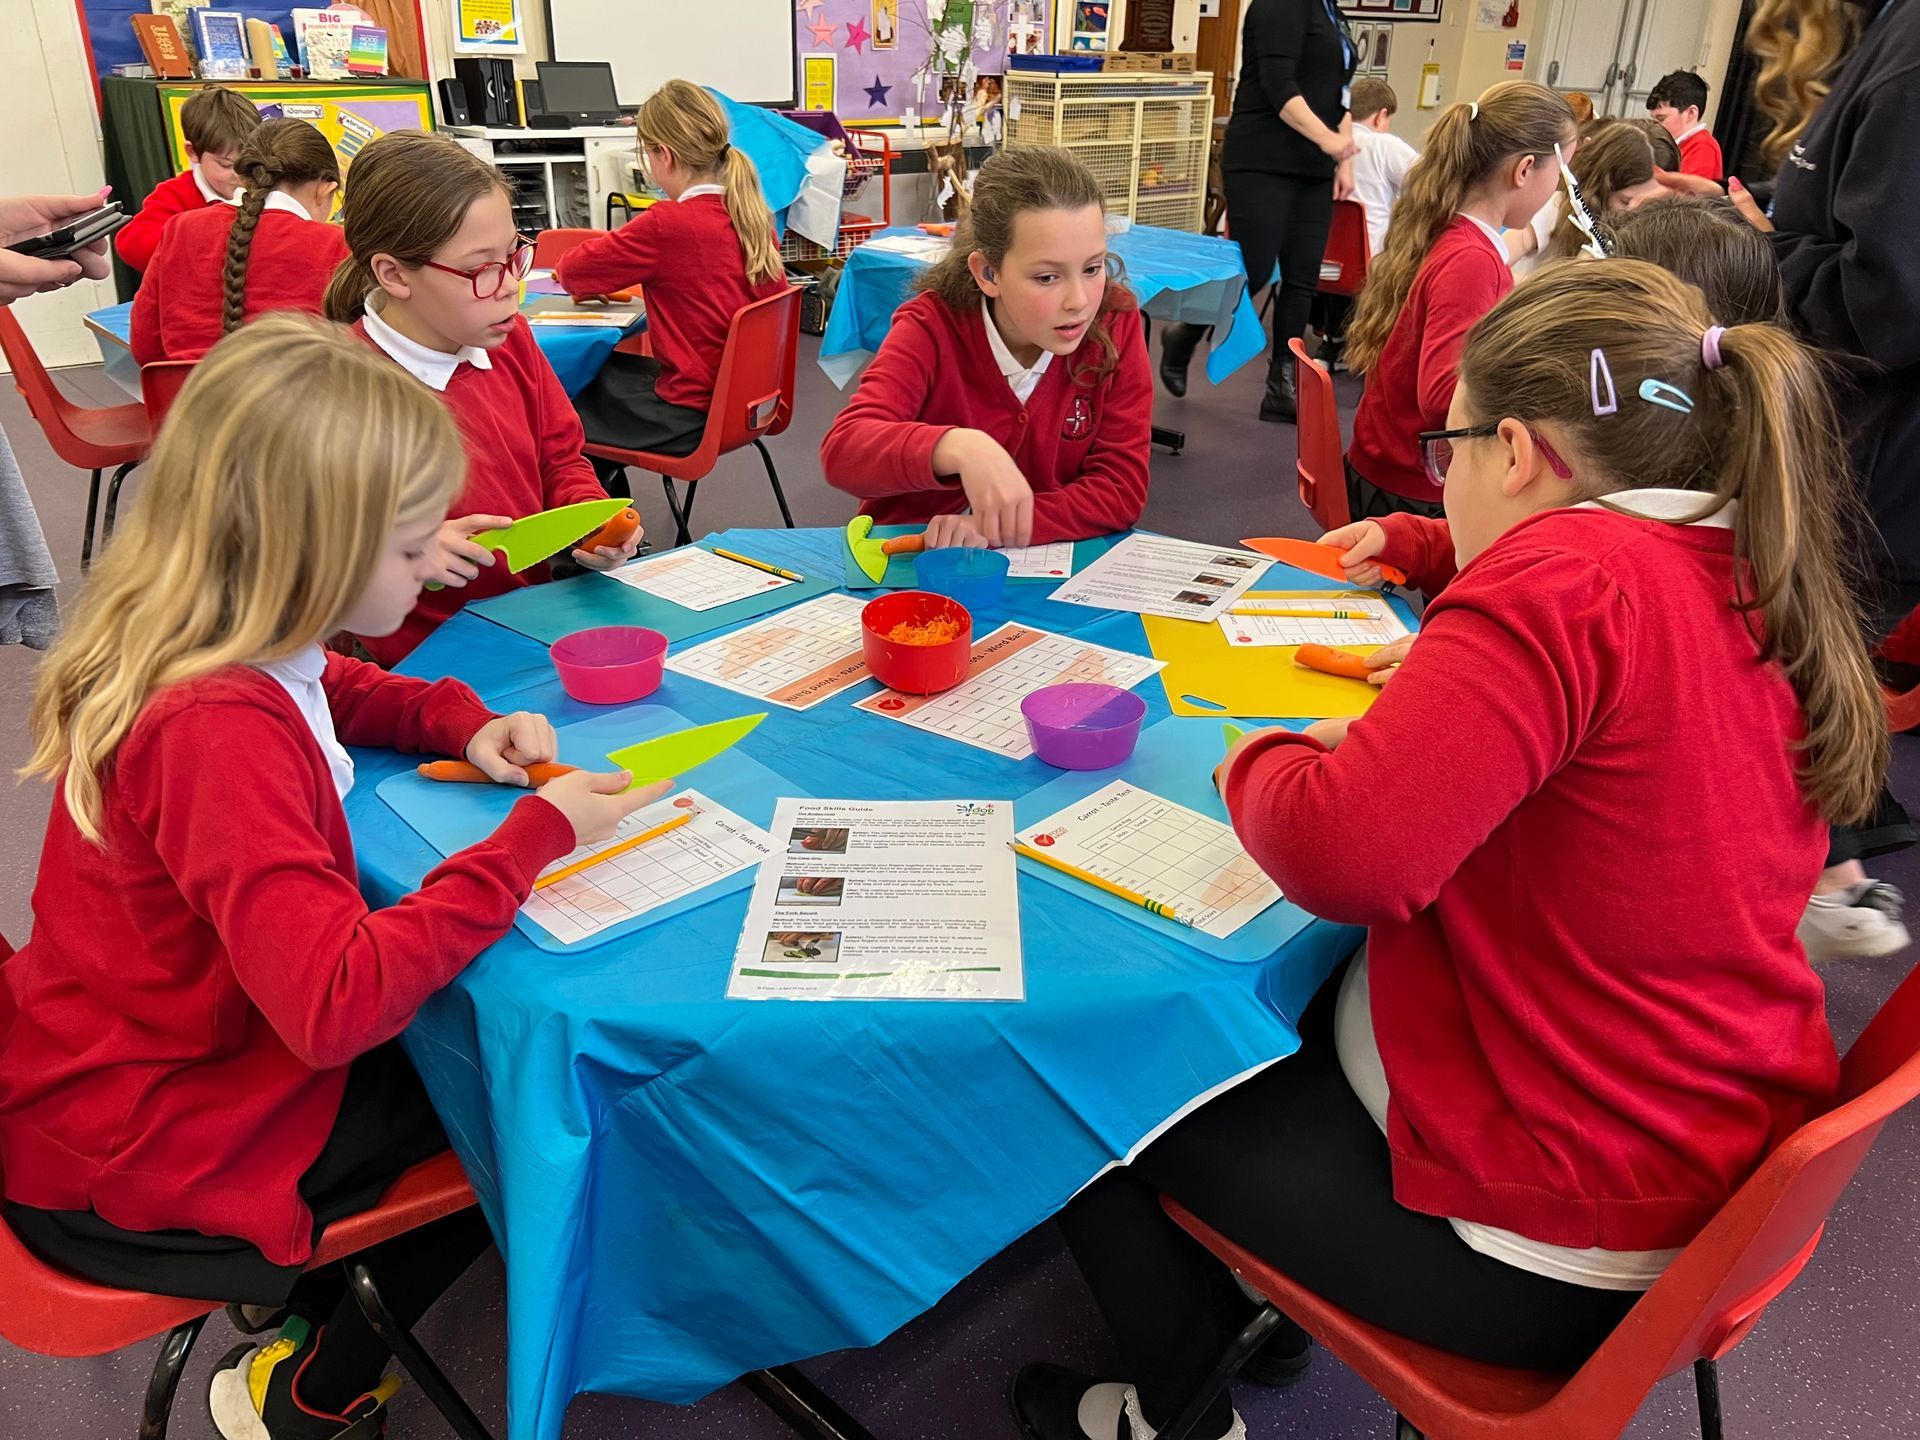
[1540,1078]
[1011,403]
[1487,164]
[197,1067]
[214,124]
[223,265]
[701,255]
[433,283]
[1677,101]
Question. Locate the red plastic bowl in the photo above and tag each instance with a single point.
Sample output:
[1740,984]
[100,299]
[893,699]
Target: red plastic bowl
[612,665]
[915,669]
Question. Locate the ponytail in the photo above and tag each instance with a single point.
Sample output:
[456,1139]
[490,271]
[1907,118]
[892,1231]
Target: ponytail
[683,118]
[1739,415]
[279,152]
[1469,142]
[346,297]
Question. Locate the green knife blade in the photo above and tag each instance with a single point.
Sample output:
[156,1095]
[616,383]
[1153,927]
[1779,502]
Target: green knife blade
[532,539]
[672,755]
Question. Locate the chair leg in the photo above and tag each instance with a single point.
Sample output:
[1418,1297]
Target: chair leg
[157,1408]
[682,519]
[93,508]
[113,499]
[773,478]
[1706,1384]
[1235,1355]
[1403,1429]
[415,1361]
[613,477]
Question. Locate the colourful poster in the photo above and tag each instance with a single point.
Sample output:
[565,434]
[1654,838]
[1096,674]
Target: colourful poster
[886,24]
[817,82]
[349,115]
[487,27]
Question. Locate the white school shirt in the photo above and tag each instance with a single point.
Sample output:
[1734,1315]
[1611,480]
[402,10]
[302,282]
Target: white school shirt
[214,197]
[693,190]
[1024,379]
[433,368]
[280,200]
[1379,172]
[1545,221]
[299,675]
[1493,235]
[1359,1051]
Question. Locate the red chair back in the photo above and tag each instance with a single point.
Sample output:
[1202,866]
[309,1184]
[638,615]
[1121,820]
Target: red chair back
[1320,468]
[64,423]
[753,391]
[1703,1306]
[550,245]
[160,383]
[1344,270]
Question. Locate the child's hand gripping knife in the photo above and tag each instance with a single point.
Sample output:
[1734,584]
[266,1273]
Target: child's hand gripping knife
[1359,543]
[613,544]
[595,803]
[460,556]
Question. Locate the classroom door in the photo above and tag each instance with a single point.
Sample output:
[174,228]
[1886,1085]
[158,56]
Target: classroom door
[1216,45]
[1613,50]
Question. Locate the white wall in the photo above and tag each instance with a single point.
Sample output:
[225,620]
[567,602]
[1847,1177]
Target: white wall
[53,147]
[438,15]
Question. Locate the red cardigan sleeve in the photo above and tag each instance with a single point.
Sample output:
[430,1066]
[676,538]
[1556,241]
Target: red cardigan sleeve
[1421,547]
[140,236]
[1515,665]
[878,445]
[143,335]
[1111,489]
[617,260]
[372,707]
[242,840]
[1457,300]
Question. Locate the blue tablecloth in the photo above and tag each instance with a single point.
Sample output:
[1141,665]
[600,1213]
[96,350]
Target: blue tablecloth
[576,352]
[685,1187]
[1198,279]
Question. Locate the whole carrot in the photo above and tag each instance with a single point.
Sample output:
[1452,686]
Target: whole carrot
[464,772]
[615,532]
[1329,661]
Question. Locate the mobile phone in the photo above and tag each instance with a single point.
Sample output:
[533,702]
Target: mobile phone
[76,234]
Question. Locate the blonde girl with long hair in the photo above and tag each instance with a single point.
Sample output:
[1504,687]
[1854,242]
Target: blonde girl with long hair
[1488,164]
[432,281]
[198,1039]
[1011,403]
[223,265]
[1581,1018]
[700,255]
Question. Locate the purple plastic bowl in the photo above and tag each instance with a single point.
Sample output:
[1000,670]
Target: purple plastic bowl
[1083,727]
[612,665]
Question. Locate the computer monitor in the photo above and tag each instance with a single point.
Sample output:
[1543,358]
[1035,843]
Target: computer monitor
[581,90]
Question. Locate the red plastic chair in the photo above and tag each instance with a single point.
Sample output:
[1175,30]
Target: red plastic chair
[550,245]
[1344,268]
[49,1312]
[90,437]
[1320,469]
[160,383]
[1703,1306]
[752,399]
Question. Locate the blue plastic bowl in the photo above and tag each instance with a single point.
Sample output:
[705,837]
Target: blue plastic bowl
[975,578]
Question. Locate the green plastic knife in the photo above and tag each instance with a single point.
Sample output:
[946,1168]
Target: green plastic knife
[672,755]
[532,539]
[1234,732]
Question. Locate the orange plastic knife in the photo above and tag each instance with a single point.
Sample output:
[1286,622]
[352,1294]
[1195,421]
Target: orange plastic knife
[1312,556]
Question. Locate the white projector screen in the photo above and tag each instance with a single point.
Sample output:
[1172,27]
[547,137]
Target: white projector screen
[742,48]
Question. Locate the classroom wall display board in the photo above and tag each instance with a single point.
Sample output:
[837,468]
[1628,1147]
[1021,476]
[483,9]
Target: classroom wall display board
[1427,11]
[743,48]
[889,62]
[350,115]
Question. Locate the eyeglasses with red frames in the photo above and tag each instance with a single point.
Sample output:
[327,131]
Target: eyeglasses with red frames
[490,279]
[1436,449]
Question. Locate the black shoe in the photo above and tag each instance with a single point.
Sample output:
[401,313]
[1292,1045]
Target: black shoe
[1281,404]
[1282,1359]
[1046,1403]
[1177,344]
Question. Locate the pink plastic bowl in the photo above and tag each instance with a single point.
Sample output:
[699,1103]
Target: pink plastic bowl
[612,665]
[1083,727]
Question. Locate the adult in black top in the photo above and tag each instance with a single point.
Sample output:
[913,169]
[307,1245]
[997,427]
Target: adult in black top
[1288,156]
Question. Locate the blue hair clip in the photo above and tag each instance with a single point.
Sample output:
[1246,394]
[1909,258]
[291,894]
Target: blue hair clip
[1668,397]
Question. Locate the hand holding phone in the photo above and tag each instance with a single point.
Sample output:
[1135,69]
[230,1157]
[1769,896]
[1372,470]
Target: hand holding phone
[27,219]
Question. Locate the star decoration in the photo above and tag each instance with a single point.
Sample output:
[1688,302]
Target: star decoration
[822,31]
[857,36]
[807,7]
[876,94]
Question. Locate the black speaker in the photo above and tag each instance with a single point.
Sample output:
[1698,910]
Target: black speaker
[489,87]
[453,104]
[530,100]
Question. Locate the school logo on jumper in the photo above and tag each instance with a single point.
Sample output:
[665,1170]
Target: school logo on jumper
[1079,422]
[1798,157]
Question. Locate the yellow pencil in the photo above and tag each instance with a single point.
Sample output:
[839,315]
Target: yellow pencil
[625,845]
[1302,614]
[1133,897]
[756,564]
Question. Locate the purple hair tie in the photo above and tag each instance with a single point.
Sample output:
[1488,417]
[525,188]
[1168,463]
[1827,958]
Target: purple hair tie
[1710,347]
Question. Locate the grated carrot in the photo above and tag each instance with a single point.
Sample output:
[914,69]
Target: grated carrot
[942,630]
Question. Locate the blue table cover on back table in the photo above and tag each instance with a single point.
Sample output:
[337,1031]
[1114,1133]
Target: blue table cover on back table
[685,1187]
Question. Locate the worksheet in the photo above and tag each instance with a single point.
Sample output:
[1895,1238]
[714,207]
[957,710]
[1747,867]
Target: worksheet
[1334,621]
[884,900]
[696,579]
[795,658]
[1005,667]
[1040,562]
[1179,858]
[712,845]
[1152,575]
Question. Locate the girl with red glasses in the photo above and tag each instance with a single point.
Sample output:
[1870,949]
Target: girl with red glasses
[433,282]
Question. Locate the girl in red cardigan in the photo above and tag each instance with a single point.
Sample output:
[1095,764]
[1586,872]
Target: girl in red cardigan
[433,283]
[197,1067]
[219,267]
[701,254]
[1581,1018]
[1011,403]
[1488,163]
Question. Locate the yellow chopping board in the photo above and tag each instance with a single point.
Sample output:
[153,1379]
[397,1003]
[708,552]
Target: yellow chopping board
[1206,675]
